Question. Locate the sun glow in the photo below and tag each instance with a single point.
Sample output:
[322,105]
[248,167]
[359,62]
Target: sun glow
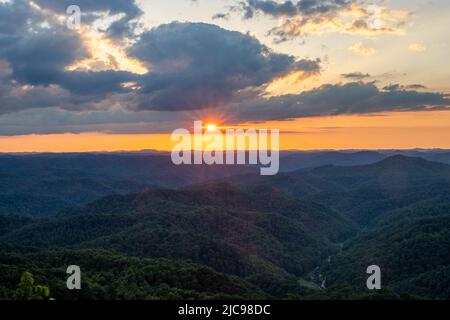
[292,83]
[105,55]
[394,130]
[211,127]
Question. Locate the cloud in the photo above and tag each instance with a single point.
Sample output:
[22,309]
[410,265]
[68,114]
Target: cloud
[197,66]
[415,87]
[224,16]
[417,47]
[54,79]
[13,19]
[127,11]
[396,87]
[54,120]
[335,99]
[305,17]
[185,66]
[39,58]
[355,75]
[36,56]
[361,49]
[291,9]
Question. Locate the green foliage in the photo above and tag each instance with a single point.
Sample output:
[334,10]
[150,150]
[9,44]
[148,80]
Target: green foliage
[249,238]
[42,185]
[27,290]
[412,248]
[109,276]
[260,235]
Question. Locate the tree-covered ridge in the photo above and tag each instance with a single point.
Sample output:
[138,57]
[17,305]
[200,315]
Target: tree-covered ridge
[42,185]
[411,245]
[402,207]
[109,276]
[276,235]
[362,193]
[261,235]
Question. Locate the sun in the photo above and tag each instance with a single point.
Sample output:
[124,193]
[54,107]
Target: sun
[211,127]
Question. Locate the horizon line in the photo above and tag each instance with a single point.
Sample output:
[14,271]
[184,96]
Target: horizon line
[156,152]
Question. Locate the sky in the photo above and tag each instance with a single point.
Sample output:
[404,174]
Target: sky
[330,74]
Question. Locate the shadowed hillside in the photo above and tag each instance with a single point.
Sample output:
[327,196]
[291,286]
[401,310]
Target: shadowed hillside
[310,233]
[261,235]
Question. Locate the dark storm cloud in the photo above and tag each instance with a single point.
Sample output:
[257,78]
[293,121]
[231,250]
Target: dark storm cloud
[120,28]
[355,75]
[52,120]
[36,58]
[415,86]
[224,16]
[351,98]
[13,18]
[16,18]
[128,7]
[290,8]
[39,58]
[303,17]
[195,66]
[40,62]
[297,15]
[97,83]
[397,86]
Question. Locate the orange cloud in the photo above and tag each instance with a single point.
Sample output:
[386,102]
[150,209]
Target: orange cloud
[105,55]
[355,19]
[361,49]
[417,47]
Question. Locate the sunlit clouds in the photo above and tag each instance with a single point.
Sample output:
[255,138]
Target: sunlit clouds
[144,68]
[417,47]
[105,55]
[361,49]
[299,19]
[292,83]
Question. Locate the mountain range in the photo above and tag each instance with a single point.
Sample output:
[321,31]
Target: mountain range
[307,233]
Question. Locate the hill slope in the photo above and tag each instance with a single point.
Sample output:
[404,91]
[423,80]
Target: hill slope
[261,235]
[40,185]
[109,276]
[410,245]
[362,193]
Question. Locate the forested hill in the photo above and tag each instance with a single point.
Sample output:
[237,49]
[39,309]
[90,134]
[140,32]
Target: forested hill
[283,236]
[43,184]
[411,245]
[261,235]
[110,276]
[362,193]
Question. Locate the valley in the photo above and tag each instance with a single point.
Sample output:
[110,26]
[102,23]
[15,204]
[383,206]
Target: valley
[306,234]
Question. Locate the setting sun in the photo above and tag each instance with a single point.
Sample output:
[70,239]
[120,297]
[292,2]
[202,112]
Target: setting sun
[211,127]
